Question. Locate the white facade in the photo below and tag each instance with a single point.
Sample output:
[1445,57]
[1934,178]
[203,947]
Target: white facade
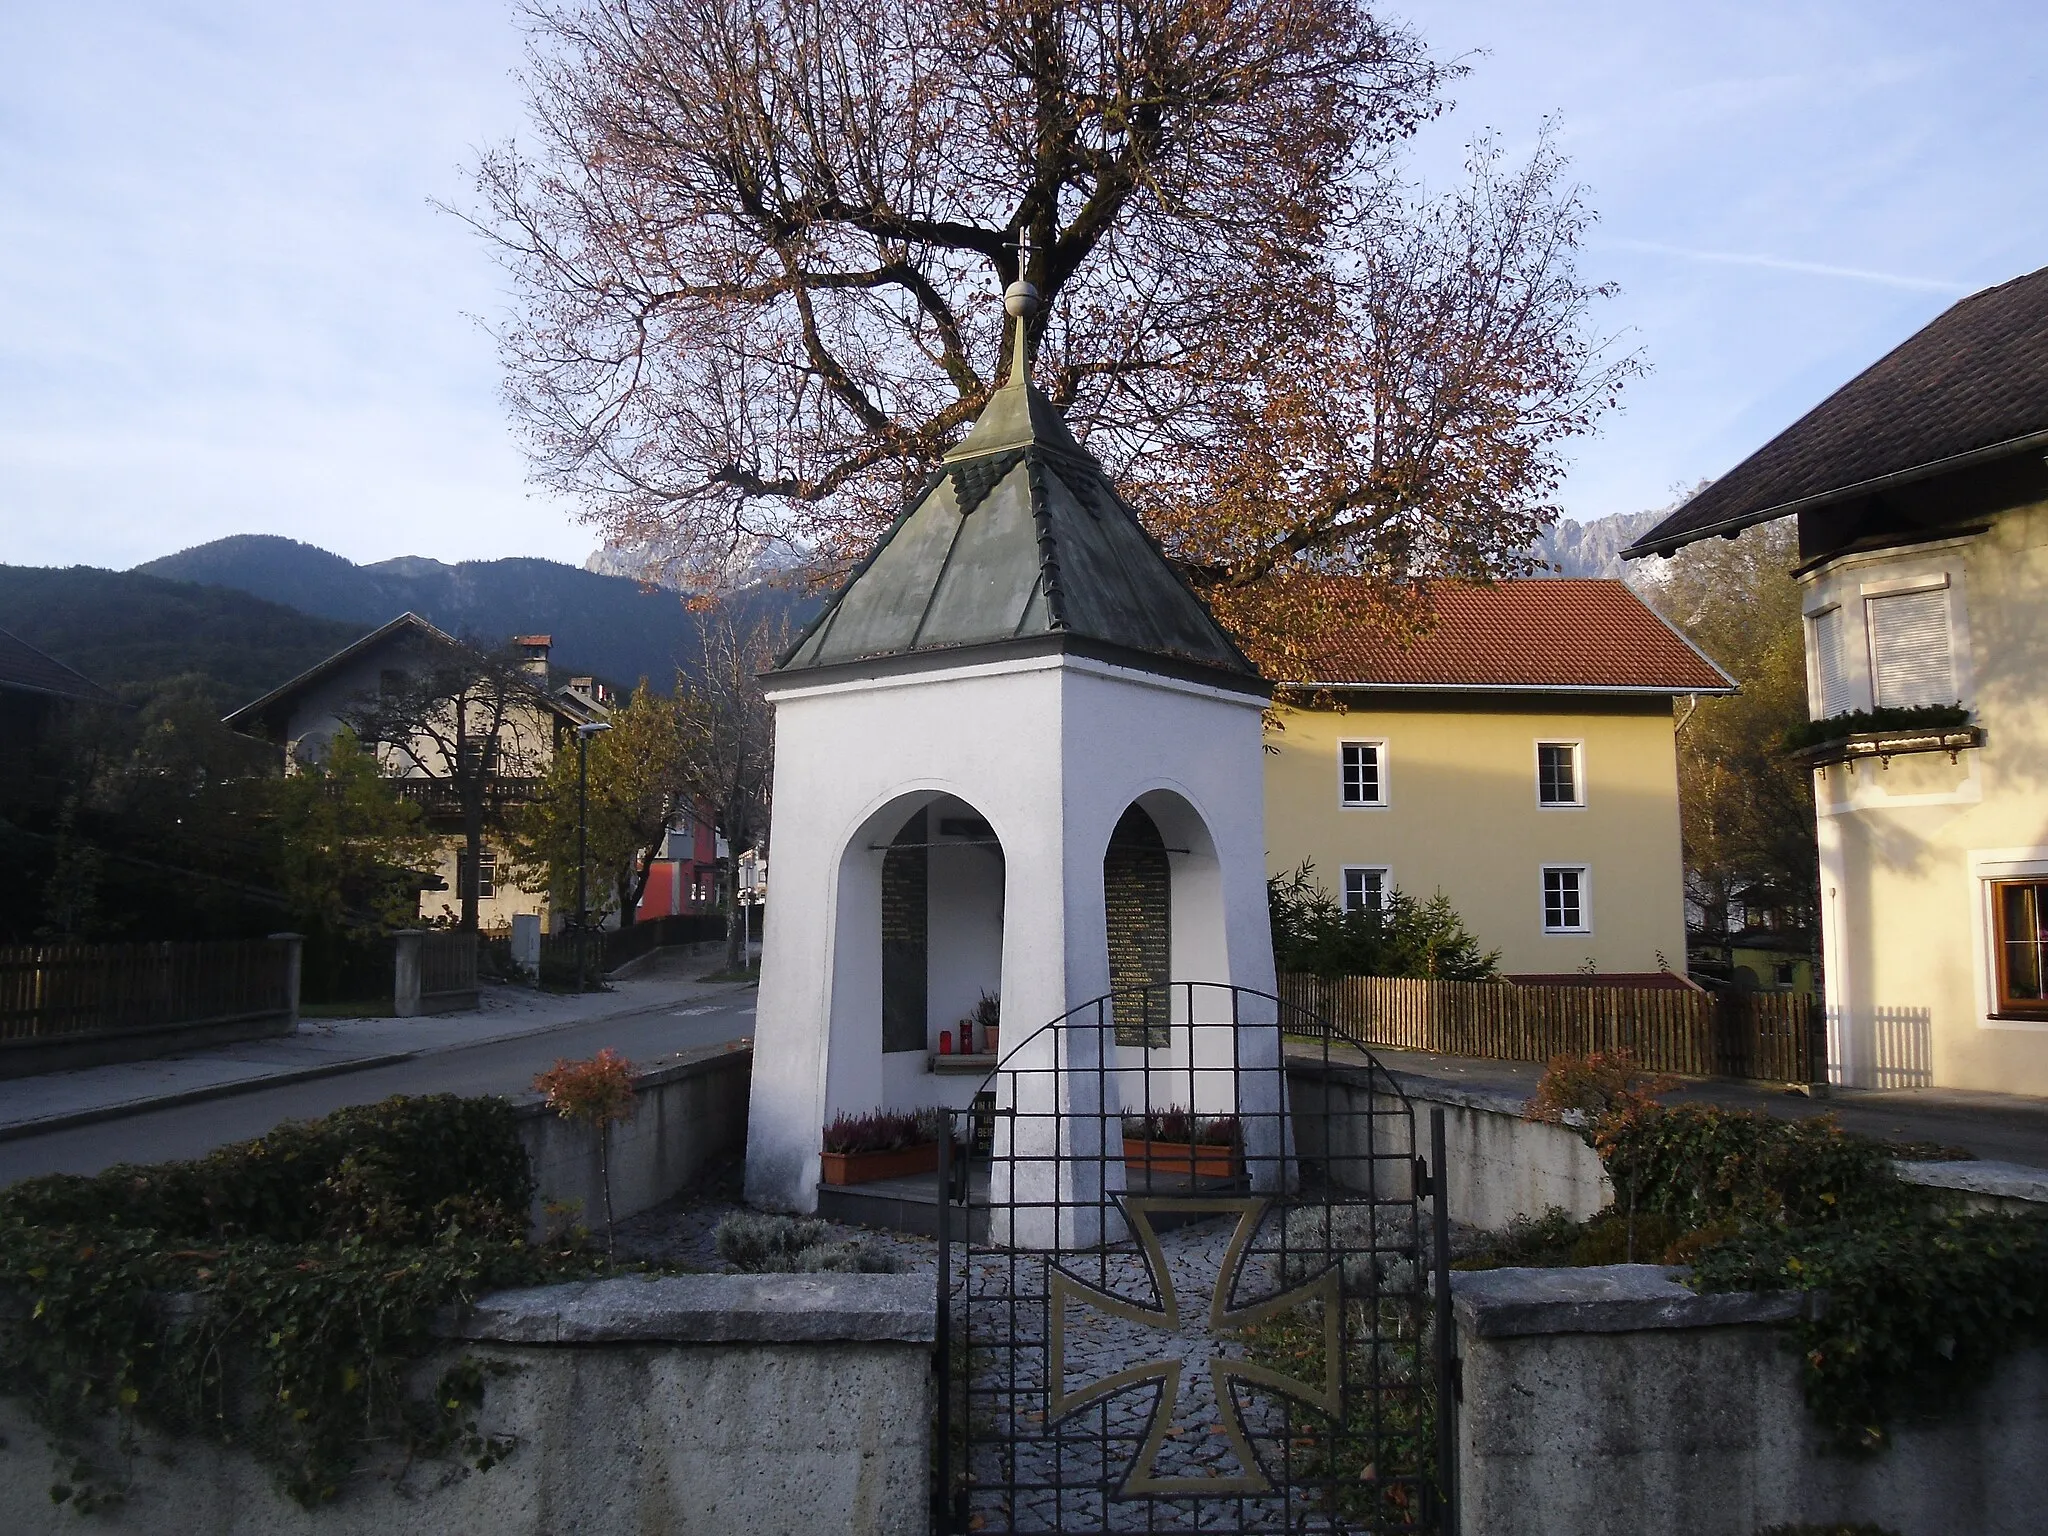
[1049,750]
[1914,846]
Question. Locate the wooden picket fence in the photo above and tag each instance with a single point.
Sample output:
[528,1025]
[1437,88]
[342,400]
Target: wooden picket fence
[62,991]
[1770,1036]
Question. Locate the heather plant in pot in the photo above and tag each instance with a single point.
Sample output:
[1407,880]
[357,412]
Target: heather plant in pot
[1177,1141]
[882,1144]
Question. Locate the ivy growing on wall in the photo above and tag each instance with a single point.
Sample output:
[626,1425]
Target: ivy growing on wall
[275,1295]
[1920,1299]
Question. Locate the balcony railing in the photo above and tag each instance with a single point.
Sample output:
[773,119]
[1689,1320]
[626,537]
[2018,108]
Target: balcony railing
[443,798]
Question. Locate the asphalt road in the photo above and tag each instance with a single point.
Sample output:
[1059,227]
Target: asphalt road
[503,1066]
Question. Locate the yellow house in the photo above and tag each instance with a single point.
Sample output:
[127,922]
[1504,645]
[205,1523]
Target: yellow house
[1519,757]
[1922,499]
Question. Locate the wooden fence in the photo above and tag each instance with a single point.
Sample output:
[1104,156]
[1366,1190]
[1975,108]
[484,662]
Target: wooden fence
[1772,1036]
[66,991]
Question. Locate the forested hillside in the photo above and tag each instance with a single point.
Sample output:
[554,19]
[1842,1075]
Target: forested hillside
[610,626]
[133,632]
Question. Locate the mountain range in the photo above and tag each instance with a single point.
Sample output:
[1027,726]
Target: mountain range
[242,614]
[611,627]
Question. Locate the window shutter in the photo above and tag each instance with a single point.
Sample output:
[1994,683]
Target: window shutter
[1910,663]
[1829,664]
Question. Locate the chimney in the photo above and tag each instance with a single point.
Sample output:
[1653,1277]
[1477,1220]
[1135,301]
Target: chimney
[534,656]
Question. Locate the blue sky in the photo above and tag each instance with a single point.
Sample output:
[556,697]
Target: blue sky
[227,306]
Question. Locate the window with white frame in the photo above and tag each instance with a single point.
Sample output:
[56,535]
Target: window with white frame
[1831,665]
[1362,773]
[1567,904]
[1911,660]
[1559,781]
[1366,887]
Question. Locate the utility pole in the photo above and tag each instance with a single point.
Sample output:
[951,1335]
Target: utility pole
[583,735]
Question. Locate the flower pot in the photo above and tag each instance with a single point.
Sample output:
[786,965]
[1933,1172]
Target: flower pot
[861,1167]
[1199,1160]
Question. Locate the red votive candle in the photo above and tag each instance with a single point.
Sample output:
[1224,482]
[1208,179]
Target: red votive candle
[945,1042]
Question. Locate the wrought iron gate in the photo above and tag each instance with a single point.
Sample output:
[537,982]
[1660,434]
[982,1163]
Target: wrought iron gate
[1177,1294]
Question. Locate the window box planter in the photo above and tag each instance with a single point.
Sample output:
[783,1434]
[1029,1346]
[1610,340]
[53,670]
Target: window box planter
[863,1167]
[1886,745]
[1184,1159]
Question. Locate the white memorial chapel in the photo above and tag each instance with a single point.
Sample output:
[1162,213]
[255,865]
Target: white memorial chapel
[1015,758]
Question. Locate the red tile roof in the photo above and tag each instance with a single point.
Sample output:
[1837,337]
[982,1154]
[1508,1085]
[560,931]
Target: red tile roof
[1537,634]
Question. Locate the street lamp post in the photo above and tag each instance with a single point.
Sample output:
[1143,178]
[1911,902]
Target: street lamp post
[583,735]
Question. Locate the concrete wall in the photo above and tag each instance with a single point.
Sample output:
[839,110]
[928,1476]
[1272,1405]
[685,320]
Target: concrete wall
[691,1111]
[726,1405]
[1500,1165]
[1461,817]
[1907,847]
[1609,1402]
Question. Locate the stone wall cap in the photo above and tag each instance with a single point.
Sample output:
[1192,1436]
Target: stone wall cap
[2007,1181]
[709,1309]
[1605,1298]
[1417,1085]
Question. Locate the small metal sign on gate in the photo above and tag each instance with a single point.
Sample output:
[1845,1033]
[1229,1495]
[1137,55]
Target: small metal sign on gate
[1188,1281]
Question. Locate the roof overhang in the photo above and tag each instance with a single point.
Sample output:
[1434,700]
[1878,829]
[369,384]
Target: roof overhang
[1652,544]
[946,657]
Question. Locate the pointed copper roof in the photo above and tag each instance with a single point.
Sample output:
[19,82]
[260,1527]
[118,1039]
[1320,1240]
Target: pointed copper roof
[1020,539]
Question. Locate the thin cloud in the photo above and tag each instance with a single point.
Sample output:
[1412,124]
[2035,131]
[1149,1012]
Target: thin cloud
[1782,264]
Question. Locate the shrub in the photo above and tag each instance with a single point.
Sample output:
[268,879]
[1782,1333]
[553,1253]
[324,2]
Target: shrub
[1920,1306]
[1702,1165]
[1313,936]
[767,1244]
[1583,1091]
[884,1130]
[275,1294]
[597,1093]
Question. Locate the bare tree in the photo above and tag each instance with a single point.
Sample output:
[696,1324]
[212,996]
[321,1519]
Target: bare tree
[728,741]
[465,717]
[761,244]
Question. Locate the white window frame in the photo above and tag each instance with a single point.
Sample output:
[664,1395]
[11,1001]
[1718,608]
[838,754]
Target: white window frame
[1578,746]
[1844,585]
[1585,874]
[1907,586]
[1379,747]
[1986,868]
[1385,873]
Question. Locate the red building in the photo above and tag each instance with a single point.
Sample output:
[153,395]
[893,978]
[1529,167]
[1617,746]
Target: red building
[684,879]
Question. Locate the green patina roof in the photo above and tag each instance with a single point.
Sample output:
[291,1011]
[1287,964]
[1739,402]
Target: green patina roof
[1019,537]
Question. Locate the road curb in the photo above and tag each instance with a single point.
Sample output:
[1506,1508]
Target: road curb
[45,1124]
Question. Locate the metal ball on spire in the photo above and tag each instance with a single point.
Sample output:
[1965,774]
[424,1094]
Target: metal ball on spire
[1020,300]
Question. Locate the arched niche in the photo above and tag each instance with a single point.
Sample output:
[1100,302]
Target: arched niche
[917,942]
[1164,918]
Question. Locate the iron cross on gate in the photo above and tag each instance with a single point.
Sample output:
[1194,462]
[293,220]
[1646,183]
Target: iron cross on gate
[1223,1370]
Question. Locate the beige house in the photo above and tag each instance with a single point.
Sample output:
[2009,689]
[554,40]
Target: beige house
[303,715]
[1922,498]
[1519,757]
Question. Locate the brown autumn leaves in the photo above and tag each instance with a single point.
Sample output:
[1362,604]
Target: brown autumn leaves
[759,248]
